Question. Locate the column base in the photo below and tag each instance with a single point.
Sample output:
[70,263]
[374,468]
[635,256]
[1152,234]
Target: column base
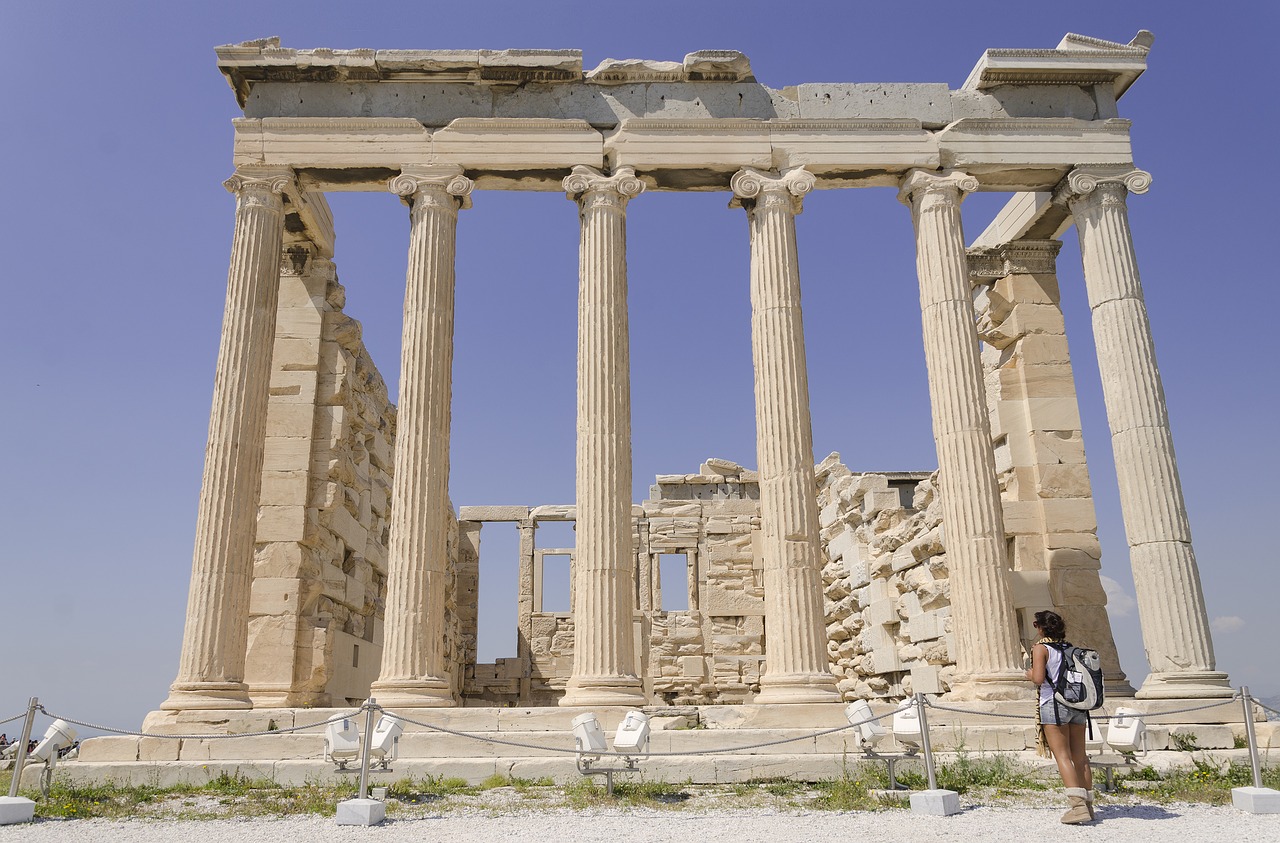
[603,690]
[1117,687]
[787,688]
[431,692]
[998,685]
[203,696]
[1186,684]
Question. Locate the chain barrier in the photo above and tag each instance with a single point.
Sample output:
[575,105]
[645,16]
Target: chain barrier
[261,734]
[761,745]
[1263,705]
[483,738]
[1234,698]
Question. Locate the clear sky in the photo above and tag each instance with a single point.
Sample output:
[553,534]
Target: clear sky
[115,231]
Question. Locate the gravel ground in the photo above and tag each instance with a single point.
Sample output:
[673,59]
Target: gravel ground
[1146,823]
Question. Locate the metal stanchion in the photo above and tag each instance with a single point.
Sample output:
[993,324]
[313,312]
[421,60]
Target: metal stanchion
[925,745]
[365,747]
[15,808]
[21,758]
[935,802]
[363,810]
[1252,734]
[1256,799]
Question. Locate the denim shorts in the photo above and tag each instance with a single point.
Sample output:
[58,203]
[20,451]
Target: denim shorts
[1056,714]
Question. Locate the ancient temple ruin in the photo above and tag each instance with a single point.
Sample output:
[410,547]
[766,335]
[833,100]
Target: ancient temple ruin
[330,563]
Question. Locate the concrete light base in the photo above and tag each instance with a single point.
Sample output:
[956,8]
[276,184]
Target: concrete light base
[935,803]
[16,809]
[361,812]
[1256,800]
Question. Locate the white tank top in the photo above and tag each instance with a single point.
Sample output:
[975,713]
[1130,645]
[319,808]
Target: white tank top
[1051,667]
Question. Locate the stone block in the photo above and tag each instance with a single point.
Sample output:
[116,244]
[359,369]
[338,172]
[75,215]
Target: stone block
[935,803]
[360,812]
[281,524]
[840,544]
[493,513]
[1030,589]
[1069,515]
[16,809]
[1251,800]
[878,500]
[926,679]
[883,612]
[111,748]
[925,626]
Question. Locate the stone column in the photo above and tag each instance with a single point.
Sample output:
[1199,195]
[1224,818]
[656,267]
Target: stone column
[604,670]
[211,668]
[414,673]
[1175,626]
[796,663]
[988,654]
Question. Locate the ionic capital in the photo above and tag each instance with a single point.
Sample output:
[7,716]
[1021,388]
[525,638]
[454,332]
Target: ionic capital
[1104,185]
[256,185]
[944,187]
[751,186]
[442,186]
[587,185]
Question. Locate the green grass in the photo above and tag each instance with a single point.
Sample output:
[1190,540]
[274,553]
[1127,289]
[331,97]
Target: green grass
[1203,781]
[856,788]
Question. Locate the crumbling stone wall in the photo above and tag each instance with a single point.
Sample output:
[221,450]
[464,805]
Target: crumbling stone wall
[887,590]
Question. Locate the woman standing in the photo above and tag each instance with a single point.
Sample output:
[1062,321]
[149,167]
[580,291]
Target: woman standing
[1061,728]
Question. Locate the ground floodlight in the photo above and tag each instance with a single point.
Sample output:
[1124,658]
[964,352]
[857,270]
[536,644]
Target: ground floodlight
[870,732]
[632,734]
[588,737]
[906,724]
[58,736]
[342,742]
[1126,733]
[384,746]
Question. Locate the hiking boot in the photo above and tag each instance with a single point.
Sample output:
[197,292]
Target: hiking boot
[1078,812]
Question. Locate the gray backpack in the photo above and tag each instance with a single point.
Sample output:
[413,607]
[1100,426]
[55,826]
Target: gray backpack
[1078,684]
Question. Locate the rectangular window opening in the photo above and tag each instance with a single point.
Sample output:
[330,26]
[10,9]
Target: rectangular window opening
[673,571]
[556,585]
[497,586]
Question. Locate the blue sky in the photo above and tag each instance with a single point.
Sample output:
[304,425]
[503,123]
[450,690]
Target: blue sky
[115,233]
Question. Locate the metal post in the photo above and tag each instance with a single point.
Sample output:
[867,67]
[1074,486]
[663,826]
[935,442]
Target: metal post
[1252,736]
[924,743]
[370,705]
[21,758]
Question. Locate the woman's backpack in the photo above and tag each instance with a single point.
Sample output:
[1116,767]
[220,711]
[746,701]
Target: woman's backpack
[1078,684]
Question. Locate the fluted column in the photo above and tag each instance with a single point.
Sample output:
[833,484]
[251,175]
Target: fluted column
[988,655]
[414,673]
[1175,625]
[211,668]
[796,663]
[604,670]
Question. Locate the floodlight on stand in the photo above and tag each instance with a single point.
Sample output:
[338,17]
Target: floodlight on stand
[342,742]
[1126,733]
[632,737]
[384,746]
[588,737]
[906,725]
[870,732]
[58,736]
